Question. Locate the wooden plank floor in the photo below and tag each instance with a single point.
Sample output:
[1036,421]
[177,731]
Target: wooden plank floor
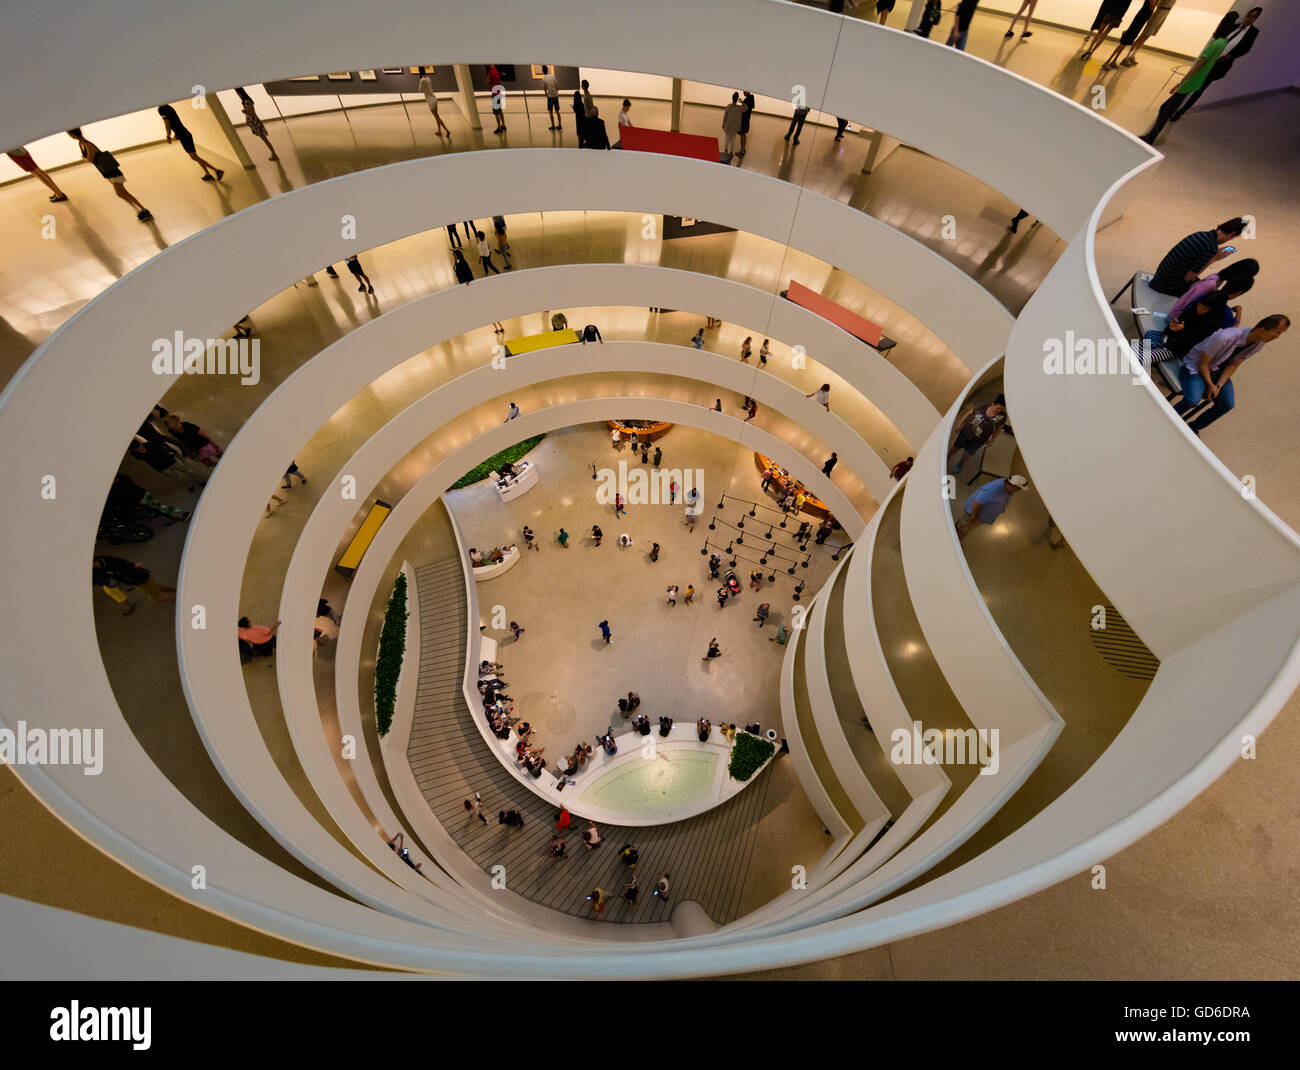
[707,857]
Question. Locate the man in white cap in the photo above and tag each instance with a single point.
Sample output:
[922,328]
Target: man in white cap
[988,503]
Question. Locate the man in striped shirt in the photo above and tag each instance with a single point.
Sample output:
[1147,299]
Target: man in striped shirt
[1186,260]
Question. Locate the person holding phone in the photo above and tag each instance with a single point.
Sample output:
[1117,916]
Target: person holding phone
[1183,264]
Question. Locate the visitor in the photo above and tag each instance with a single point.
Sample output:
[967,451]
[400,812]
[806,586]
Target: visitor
[425,86]
[988,503]
[511,819]
[961,25]
[689,596]
[722,597]
[625,540]
[512,413]
[628,855]
[596,534]
[745,350]
[195,443]
[126,498]
[552,98]
[503,244]
[665,725]
[1223,353]
[174,128]
[764,351]
[516,631]
[931,16]
[654,551]
[661,887]
[753,410]
[824,529]
[23,159]
[641,723]
[978,428]
[1239,39]
[748,103]
[822,395]
[762,612]
[1192,82]
[290,472]
[697,339]
[1026,9]
[498,94]
[106,164]
[591,333]
[530,537]
[562,537]
[597,900]
[117,575]
[1109,16]
[260,638]
[715,563]
[901,468]
[672,594]
[579,118]
[485,255]
[557,847]
[731,119]
[1183,264]
[703,728]
[460,265]
[714,651]
[630,891]
[633,700]
[1232,278]
[163,458]
[831,462]
[474,807]
[618,506]
[796,123]
[605,632]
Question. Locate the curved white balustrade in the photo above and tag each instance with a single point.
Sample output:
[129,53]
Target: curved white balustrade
[985,675]
[843,66]
[853,779]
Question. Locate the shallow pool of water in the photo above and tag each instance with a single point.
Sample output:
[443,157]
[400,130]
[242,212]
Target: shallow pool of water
[666,782]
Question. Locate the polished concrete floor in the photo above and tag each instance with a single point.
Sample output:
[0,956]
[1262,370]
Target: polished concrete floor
[1205,895]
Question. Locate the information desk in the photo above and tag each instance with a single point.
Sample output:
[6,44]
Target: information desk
[782,483]
[843,318]
[527,343]
[648,433]
[668,143]
[524,480]
[356,550]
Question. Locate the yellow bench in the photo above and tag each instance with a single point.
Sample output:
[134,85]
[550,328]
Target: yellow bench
[351,559]
[530,342]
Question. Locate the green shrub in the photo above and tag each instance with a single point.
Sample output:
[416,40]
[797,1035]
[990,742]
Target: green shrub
[748,755]
[392,648]
[488,467]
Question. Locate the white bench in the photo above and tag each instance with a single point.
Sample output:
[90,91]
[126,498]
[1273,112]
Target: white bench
[491,572]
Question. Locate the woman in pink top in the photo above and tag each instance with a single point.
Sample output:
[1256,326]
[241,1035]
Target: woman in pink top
[1234,274]
[258,636]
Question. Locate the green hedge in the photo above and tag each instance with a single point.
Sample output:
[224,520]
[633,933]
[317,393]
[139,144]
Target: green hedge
[748,755]
[392,648]
[488,467]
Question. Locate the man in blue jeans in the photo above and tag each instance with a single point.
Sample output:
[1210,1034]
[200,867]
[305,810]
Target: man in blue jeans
[1207,369]
[988,503]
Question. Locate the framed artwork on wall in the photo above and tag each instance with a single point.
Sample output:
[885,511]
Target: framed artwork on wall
[368,76]
[536,70]
[340,76]
[306,78]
